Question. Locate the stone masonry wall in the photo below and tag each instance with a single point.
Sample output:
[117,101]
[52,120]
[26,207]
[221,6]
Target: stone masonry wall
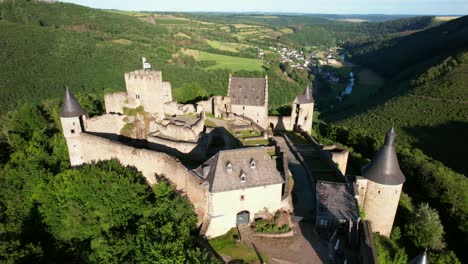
[151,164]
[380,206]
[115,102]
[259,114]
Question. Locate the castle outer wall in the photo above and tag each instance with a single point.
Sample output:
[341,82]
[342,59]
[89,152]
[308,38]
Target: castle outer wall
[151,164]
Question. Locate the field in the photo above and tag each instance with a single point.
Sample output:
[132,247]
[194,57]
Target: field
[446,18]
[225,61]
[227,46]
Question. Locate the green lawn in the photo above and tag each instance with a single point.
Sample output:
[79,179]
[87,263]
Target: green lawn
[227,245]
[248,133]
[230,62]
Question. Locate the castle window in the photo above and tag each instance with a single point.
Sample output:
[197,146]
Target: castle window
[73,131]
[229,167]
[242,197]
[253,164]
[137,96]
[73,123]
[243,177]
[243,108]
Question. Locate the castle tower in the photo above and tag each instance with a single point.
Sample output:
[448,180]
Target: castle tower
[72,118]
[303,111]
[146,88]
[382,190]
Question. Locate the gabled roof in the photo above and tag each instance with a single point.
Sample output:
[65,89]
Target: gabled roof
[384,167]
[247,91]
[305,98]
[70,106]
[221,180]
[420,259]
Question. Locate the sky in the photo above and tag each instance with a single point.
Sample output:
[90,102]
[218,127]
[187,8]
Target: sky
[413,7]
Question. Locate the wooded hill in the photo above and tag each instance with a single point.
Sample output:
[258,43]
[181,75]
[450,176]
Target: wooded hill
[425,92]
[46,47]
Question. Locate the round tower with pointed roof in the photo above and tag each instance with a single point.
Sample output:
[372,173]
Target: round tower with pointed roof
[72,118]
[384,182]
[303,110]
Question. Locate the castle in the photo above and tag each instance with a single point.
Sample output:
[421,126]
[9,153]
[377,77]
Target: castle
[144,128]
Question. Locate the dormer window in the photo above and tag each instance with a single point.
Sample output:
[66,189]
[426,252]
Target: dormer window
[243,177]
[229,167]
[253,164]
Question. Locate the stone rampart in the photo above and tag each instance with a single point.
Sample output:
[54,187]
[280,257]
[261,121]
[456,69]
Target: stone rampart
[151,164]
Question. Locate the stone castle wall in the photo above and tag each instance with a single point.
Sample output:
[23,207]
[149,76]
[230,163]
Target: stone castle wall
[150,163]
[259,114]
[339,156]
[115,102]
[304,116]
[280,122]
[380,206]
[110,124]
[173,108]
[182,131]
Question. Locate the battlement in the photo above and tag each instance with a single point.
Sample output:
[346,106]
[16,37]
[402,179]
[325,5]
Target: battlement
[143,74]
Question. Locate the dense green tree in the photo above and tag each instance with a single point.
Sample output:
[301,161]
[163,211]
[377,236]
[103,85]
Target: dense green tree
[425,229]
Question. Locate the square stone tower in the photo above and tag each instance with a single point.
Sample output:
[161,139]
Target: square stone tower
[303,111]
[146,88]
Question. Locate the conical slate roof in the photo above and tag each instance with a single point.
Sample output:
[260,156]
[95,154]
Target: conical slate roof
[70,106]
[384,167]
[305,98]
[420,259]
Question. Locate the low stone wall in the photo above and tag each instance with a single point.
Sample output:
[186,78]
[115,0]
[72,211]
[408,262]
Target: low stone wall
[276,235]
[182,131]
[151,164]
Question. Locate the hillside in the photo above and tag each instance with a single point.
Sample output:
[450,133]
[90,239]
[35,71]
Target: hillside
[431,115]
[46,47]
[410,54]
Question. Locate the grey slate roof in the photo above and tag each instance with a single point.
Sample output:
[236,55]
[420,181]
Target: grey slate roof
[305,98]
[70,106]
[384,167]
[334,201]
[215,171]
[247,91]
[420,259]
